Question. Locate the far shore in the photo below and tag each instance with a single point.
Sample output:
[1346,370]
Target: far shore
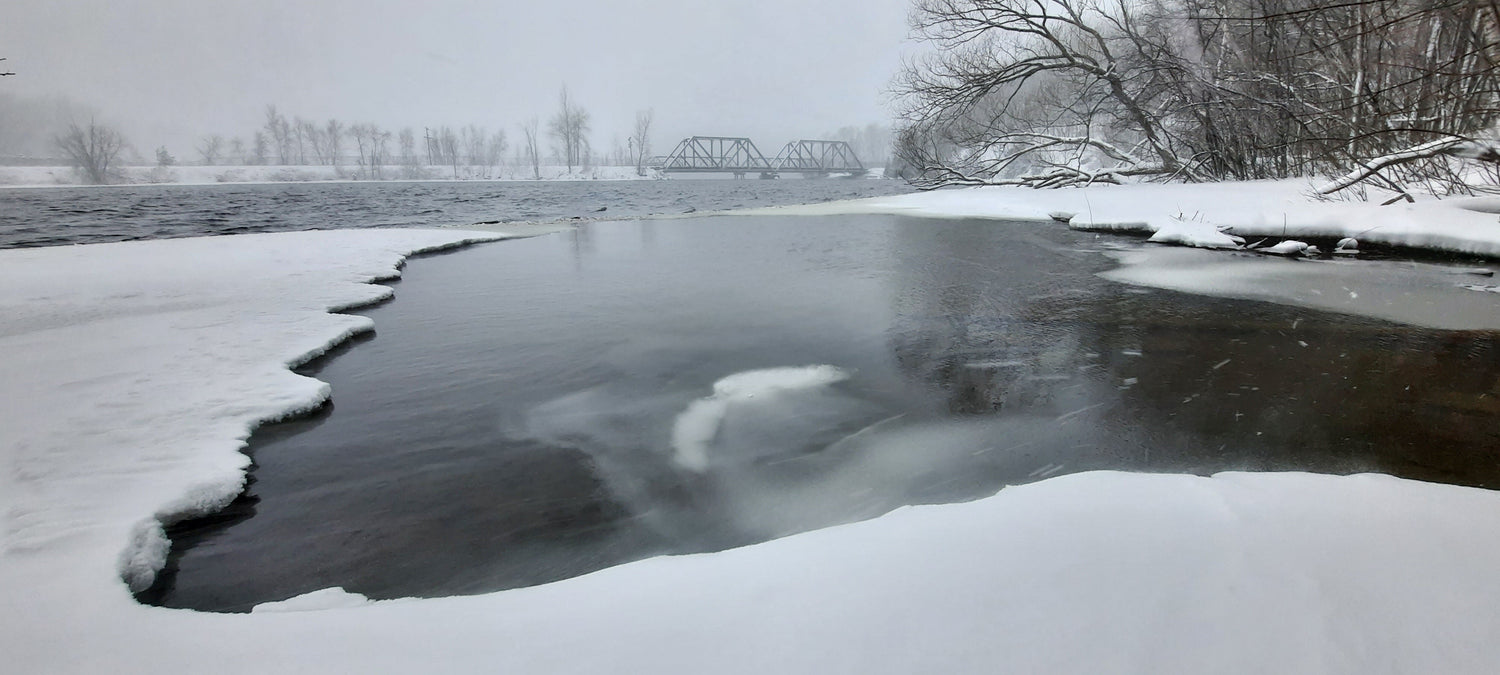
[132,176]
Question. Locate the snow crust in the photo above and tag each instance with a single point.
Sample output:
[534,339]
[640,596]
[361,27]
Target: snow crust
[1283,208]
[132,373]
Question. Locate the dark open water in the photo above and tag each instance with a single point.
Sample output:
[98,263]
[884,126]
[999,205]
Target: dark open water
[521,415]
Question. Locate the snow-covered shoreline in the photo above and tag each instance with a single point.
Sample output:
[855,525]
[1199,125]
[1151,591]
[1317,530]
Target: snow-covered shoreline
[1280,209]
[134,372]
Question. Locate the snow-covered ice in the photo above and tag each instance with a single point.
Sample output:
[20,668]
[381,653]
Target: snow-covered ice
[695,427]
[1287,247]
[133,373]
[1433,296]
[1223,215]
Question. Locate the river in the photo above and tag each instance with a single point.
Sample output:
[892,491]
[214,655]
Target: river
[89,215]
[535,409]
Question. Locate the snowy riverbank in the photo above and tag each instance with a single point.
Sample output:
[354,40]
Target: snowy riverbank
[135,371]
[1279,209]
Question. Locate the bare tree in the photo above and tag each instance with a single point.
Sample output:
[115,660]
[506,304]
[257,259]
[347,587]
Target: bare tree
[237,150]
[300,139]
[1058,92]
[315,139]
[475,138]
[533,152]
[211,148]
[1039,86]
[569,128]
[871,143]
[260,151]
[411,165]
[279,132]
[371,142]
[494,152]
[641,139]
[92,150]
[448,148]
[1400,90]
[333,134]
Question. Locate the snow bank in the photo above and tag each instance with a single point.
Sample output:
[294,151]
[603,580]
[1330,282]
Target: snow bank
[132,373]
[1248,209]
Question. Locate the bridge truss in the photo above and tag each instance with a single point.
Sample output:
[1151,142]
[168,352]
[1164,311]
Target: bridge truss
[739,156]
[819,158]
[716,154]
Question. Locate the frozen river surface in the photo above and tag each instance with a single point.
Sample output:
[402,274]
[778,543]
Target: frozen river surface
[536,409]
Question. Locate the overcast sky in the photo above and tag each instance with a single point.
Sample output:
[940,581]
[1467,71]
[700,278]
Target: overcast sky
[170,71]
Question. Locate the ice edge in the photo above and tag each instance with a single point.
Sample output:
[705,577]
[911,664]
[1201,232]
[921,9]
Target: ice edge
[148,546]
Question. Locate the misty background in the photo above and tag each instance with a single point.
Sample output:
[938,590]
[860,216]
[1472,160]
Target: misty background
[169,72]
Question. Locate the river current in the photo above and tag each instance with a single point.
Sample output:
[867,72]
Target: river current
[88,215]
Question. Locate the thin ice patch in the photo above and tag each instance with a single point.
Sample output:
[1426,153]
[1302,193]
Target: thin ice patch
[695,428]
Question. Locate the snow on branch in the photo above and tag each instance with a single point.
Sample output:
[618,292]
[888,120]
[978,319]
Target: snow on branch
[1463,148]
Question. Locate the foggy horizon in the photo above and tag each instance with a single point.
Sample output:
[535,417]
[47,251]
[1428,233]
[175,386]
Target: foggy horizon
[170,72]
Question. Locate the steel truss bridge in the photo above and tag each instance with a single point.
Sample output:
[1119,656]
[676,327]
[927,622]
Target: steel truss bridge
[739,156]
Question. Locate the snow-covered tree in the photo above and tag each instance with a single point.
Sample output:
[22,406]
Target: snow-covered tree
[569,128]
[1056,92]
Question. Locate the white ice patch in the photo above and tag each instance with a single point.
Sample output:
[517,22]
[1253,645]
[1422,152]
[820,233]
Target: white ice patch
[1289,247]
[696,427]
[328,598]
[1422,295]
[1195,233]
